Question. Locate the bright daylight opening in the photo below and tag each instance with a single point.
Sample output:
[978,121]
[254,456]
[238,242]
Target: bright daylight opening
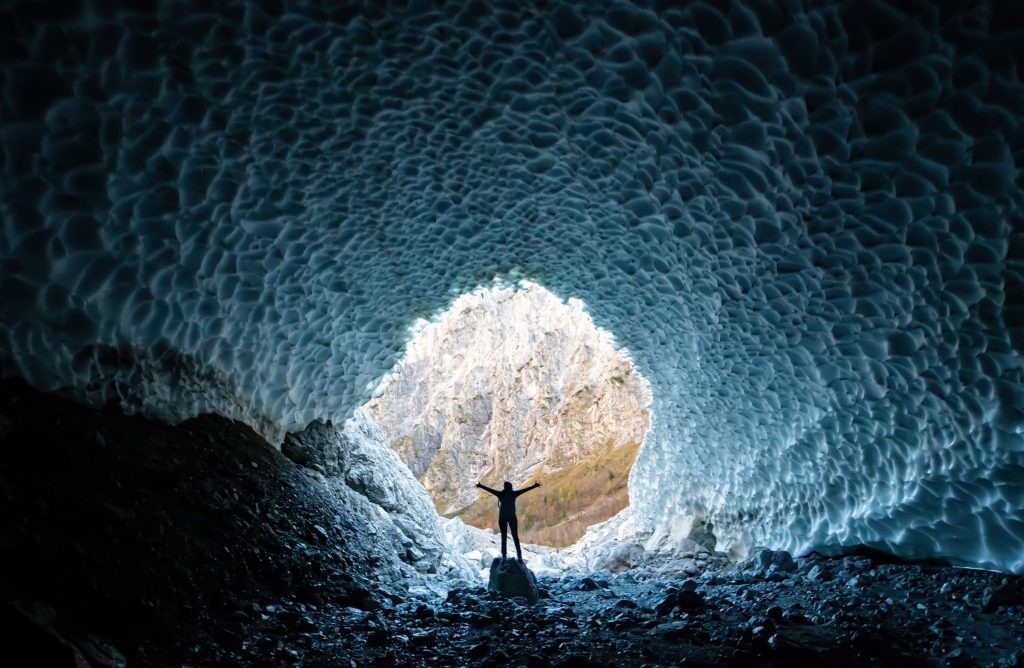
[513,383]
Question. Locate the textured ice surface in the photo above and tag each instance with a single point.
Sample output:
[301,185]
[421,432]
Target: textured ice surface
[805,224]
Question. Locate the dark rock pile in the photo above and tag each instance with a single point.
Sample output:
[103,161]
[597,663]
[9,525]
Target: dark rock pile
[867,613]
[160,539]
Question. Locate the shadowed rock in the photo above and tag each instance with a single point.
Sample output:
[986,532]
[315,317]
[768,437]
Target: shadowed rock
[511,577]
[1010,592]
[766,561]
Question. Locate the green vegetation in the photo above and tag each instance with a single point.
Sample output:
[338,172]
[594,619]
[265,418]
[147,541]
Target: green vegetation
[569,501]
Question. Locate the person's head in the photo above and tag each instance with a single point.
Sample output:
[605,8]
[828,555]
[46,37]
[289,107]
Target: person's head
[508,485]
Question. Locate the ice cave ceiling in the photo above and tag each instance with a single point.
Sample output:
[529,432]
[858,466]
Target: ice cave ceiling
[803,219]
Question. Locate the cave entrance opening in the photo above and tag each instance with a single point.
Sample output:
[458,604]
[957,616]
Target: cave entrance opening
[514,383]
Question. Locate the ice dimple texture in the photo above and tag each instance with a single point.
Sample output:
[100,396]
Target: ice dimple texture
[805,225]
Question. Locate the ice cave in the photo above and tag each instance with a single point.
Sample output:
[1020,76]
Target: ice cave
[222,222]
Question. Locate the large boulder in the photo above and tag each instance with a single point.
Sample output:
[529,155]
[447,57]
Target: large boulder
[511,577]
[316,447]
[615,556]
[766,561]
[684,599]
[1011,592]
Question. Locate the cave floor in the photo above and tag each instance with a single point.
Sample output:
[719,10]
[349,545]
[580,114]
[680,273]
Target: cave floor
[890,614]
[132,542]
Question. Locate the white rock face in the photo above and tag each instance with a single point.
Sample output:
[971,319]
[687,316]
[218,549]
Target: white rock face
[802,219]
[506,383]
[357,461]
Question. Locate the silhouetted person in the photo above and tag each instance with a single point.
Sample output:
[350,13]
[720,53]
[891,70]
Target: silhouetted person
[507,514]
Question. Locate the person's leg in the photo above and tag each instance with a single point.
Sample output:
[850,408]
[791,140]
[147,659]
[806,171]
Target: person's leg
[503,525]
[514,525]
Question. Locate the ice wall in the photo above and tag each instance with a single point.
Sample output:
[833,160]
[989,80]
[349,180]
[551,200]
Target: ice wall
[803,219]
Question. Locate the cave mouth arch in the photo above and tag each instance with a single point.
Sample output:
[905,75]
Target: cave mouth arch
[511,382]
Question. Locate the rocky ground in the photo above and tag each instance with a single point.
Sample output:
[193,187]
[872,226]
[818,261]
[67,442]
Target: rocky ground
[844,612]
[129,542]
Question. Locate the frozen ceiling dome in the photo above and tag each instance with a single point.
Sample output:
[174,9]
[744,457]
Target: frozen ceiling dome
[806,226]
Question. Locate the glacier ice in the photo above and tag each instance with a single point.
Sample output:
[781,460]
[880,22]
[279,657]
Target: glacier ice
[804,220]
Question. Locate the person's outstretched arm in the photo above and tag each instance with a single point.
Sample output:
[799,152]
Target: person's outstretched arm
[488,489]
[527,489]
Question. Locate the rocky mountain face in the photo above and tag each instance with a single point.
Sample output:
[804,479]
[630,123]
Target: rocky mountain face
[510,384]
